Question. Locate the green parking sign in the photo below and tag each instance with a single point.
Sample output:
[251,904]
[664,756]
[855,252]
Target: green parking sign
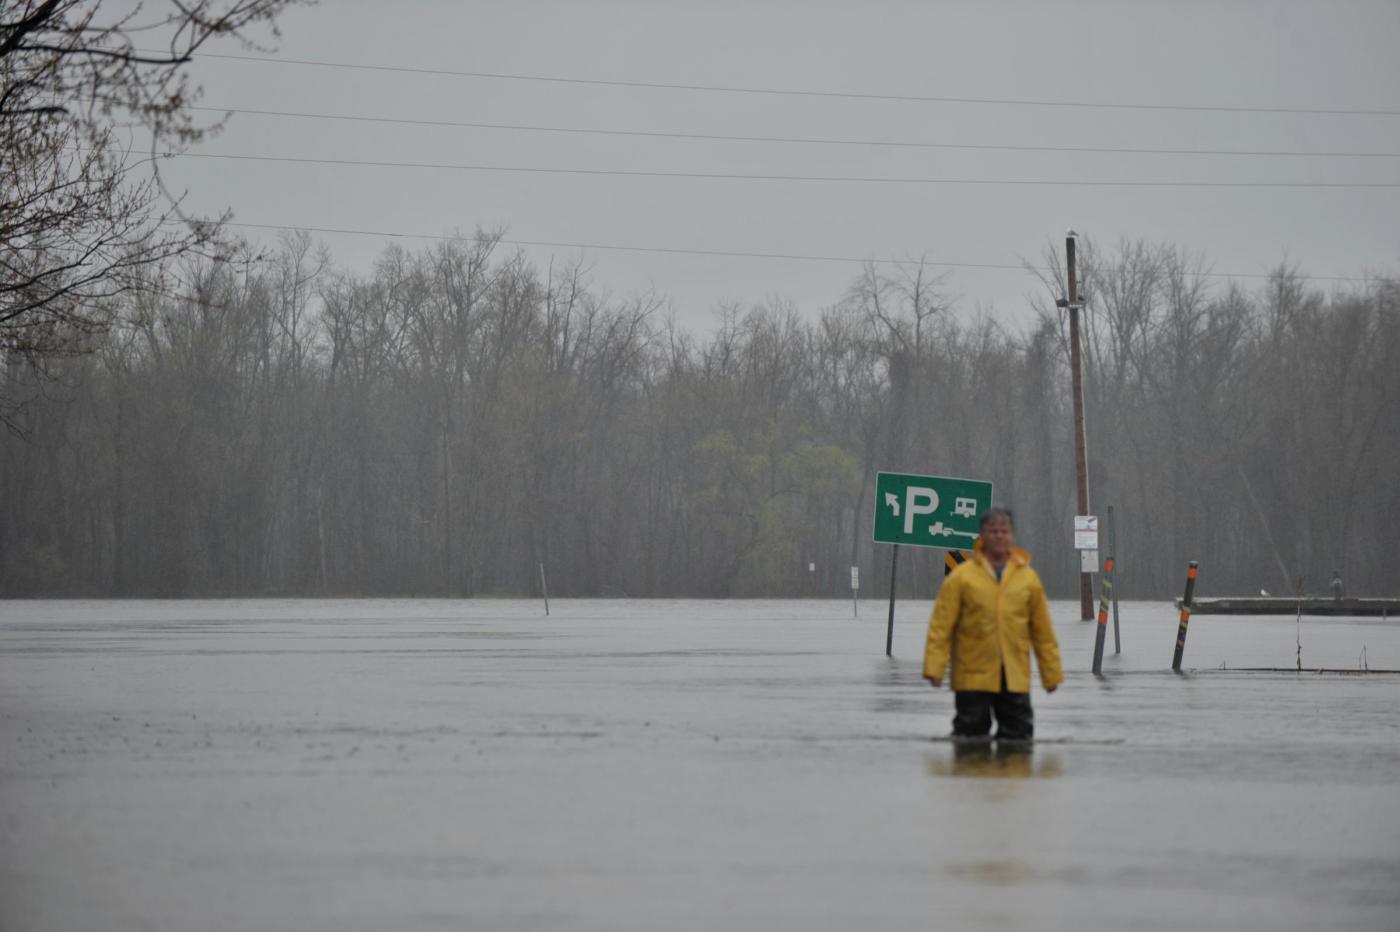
[929,511]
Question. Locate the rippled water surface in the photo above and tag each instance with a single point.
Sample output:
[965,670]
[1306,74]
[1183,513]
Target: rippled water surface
[236,765]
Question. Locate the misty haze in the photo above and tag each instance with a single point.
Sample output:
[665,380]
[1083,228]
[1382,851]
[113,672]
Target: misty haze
[443,450]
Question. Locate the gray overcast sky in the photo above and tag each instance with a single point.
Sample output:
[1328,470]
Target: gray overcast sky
[1335,55]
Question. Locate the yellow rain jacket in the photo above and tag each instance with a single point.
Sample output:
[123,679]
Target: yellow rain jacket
[986,627]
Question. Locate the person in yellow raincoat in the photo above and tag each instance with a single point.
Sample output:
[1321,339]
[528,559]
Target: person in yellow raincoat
[990,613]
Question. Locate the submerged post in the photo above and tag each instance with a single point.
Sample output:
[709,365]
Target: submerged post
[544,590]
[1185,616]
[1103,616]
[889,629]
[1112,565]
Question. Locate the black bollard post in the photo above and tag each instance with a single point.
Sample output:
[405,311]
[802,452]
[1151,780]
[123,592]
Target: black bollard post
[1185,616]
[889,629]
[1103,616]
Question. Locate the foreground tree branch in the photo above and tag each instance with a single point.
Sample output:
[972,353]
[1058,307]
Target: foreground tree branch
[84,216]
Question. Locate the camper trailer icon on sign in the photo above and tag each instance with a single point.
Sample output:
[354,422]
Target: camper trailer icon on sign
[965,507]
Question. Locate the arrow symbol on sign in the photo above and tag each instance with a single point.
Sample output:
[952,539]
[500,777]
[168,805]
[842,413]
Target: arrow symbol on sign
[892,500]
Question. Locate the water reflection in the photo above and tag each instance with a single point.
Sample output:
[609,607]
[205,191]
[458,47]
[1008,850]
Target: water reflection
[999,873]
[1006,759]
[902,689]
[895,674]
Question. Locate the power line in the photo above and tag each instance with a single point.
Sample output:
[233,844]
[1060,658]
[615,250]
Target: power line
[665,250]
[738,254]
[740,176]
[795,92]
[723,137]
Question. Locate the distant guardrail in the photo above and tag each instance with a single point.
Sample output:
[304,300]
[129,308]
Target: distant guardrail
[1277,605]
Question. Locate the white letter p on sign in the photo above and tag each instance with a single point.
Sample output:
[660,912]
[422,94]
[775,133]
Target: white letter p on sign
[918,501]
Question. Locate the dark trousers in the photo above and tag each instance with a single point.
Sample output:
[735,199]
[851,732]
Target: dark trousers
[974,711]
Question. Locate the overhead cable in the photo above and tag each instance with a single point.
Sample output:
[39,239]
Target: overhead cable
[798,92]
[747,176]
[802,140]
[736,254]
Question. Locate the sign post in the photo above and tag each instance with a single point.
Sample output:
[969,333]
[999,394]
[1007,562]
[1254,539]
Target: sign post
[889,628]
[926,511]
[855,588]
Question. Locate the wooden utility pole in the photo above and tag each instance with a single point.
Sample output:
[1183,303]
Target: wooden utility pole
[1081,455]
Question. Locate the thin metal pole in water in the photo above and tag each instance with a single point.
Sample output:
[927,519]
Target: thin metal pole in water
[1185,616]
[544,590]
[1113,566]
[855,590]
[1103,616]
[889,629]
[1299,628]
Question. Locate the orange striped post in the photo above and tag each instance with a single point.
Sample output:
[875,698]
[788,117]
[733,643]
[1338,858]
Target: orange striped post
[1185,616]
[1103,616]
[951,560]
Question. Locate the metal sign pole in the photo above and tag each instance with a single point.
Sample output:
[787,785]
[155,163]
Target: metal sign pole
[889,629]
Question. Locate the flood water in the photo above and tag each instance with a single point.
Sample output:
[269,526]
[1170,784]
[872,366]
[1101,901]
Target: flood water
[373,765]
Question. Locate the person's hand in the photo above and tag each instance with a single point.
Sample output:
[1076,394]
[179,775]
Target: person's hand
[935,681]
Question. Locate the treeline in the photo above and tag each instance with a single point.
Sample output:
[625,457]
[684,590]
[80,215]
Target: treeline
[459,417]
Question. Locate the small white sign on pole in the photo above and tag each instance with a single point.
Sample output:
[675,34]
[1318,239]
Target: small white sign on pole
[1086,532]
[855,577]
[1088,561]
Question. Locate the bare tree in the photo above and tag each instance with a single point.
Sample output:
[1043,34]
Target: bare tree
[83,215]
[458,416]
